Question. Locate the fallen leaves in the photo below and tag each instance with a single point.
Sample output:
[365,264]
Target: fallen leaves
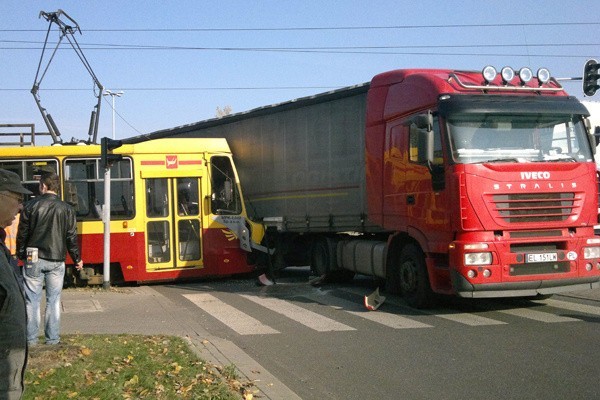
[85,351]
[127,367]
[133,381]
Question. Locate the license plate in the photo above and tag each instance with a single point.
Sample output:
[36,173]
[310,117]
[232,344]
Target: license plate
[541,257]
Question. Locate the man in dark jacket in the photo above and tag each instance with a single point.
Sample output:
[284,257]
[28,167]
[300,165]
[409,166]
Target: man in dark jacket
[47,231]
[13,319]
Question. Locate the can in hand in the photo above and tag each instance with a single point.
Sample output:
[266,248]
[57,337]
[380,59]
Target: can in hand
[32,256]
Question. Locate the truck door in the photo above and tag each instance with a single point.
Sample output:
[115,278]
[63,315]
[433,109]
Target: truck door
[173,228]
[396,197]
[429,206]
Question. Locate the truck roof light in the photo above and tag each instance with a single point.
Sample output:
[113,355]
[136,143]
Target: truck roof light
[489,73]
[525,75]
[543,75]
[507,74]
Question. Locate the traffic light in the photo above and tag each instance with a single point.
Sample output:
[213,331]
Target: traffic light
[106,145]
[591,76]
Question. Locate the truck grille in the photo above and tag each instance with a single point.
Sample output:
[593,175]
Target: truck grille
[539,268]
[535,207]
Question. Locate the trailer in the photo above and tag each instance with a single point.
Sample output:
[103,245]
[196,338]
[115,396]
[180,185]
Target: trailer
[468,183]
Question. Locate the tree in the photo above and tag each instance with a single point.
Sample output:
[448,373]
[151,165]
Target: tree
[222,112]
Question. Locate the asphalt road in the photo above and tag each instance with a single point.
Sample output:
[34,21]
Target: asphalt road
[322,343]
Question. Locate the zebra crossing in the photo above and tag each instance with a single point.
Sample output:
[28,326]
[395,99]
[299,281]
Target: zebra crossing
[323,311]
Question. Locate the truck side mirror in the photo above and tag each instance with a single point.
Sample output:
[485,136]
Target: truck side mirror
[424,121]
[425,146]
[421,125]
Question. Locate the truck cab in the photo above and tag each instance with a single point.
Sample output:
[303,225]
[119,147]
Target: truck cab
[494,183]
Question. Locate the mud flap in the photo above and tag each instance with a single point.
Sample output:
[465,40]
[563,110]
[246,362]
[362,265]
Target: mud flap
[264,280]
[374,300]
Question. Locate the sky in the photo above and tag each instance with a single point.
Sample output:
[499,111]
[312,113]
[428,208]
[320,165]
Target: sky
[176,62]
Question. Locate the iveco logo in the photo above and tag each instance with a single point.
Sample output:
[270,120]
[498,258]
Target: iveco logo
[535,175]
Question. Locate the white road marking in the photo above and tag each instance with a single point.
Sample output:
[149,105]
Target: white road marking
[462,318]
[235,319]
[388,319]
[468,319]
[306,317]
[584,308]
[537,315]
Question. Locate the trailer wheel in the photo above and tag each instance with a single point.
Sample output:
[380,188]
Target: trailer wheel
[413,278]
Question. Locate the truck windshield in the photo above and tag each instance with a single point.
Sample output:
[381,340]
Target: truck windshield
[477,138]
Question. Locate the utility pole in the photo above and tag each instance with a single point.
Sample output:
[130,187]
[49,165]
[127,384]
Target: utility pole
[113,95]
[107,158]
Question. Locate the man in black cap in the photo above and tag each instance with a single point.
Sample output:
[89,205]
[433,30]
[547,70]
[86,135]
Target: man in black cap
[13,317]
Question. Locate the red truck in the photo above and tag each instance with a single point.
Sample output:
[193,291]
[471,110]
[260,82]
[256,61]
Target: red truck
[468,183]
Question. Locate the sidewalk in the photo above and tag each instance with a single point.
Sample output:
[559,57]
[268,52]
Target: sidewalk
[143,310]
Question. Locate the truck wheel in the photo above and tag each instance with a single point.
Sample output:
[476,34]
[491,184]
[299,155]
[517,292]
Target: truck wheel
[413,278]
[323,261]
[321,257]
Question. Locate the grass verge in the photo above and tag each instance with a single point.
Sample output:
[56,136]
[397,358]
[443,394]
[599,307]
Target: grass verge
[127,367]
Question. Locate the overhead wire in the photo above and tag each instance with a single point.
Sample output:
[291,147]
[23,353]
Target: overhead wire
[111,46]
[325,28]
[371,50]
[121,117]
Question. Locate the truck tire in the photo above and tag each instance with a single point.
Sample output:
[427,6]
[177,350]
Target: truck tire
[413,278]
[323,261]
[322,256]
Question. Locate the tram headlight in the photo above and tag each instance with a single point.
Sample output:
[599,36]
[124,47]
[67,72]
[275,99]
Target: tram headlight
[483,258]
[591,252]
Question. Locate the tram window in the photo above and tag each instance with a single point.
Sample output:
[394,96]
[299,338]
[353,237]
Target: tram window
[29,171]
[14,166]
[189,239]
[84,188]
[225,197]
[157,198]
[187,197]
[159,246]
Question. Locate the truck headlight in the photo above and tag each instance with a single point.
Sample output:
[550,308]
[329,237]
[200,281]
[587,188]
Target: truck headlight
[543,75]
[591,252]
[484,258]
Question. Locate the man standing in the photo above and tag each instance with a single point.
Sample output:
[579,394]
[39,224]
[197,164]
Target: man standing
[47,230]
[13,319]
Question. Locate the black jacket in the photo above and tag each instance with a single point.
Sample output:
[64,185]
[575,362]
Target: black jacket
[49,224]
[13,325]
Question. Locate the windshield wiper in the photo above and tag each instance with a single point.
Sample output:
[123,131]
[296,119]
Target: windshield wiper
[507,159]
[563,157]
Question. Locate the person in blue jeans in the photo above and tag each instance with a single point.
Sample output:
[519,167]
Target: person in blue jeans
[47,231]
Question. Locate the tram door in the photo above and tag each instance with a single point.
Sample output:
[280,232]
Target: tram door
[173,227]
